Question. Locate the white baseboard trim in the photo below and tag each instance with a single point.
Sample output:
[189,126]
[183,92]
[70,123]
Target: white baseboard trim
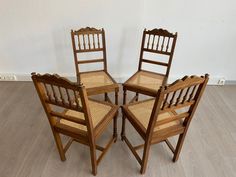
[120,79]
[230,82]
[212,81]
[27,77]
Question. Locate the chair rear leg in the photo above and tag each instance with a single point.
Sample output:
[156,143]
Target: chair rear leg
[136,96]
[115,127]
[116,97]
[123,116]
[93,159]
[105,96]
[59,145]
[178,147]
[124,96]
[145,157]
[123,127]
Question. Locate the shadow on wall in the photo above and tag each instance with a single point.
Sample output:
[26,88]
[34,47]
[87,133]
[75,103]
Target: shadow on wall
[63,51]
[129,50]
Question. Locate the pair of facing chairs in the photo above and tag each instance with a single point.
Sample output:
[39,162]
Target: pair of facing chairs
[70,112]
[157,42]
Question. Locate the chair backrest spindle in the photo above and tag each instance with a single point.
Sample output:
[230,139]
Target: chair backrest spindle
[158,41]
[88,40]
[180,98]
[58,93]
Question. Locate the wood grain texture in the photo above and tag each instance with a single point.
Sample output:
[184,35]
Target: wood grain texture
[27,147]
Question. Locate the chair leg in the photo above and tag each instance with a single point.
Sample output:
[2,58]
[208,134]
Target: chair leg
[178,147]
[124,96]
[116,97]
[123,116]
[93,159]
[123,127]
[145,157]
[115,127]
[105,97]
[59,145]
[136,96]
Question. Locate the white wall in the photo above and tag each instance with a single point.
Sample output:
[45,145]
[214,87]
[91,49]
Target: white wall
[35,35]
[207,34]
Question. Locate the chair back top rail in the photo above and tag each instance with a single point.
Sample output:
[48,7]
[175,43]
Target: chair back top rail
[89,39]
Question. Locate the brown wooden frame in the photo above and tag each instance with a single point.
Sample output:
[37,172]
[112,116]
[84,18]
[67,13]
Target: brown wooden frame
[182,94]
[159,47]
[55,91]
[92,46]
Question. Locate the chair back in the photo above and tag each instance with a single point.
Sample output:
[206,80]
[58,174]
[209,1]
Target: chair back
[180,98]
[58,94]
[158,41]
[87,40]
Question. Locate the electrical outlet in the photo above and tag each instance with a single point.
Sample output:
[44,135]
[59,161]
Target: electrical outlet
[8,77]
[221,81]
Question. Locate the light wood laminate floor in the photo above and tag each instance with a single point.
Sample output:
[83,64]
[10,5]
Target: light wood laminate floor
[27,148]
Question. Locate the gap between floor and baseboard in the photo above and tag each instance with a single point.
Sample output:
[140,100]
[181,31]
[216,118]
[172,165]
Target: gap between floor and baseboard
[120,79]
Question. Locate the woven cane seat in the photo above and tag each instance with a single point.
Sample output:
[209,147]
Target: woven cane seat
[95,79]
[142,112]
[98,112]
[145,79]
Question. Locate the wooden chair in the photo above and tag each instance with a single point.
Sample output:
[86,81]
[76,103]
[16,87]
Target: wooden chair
[71,113]
[160,43]
[91,40]
[167,115]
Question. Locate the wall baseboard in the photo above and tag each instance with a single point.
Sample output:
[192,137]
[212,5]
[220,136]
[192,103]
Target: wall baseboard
[120,79]
[212,81]
[230,82]
[27,77]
